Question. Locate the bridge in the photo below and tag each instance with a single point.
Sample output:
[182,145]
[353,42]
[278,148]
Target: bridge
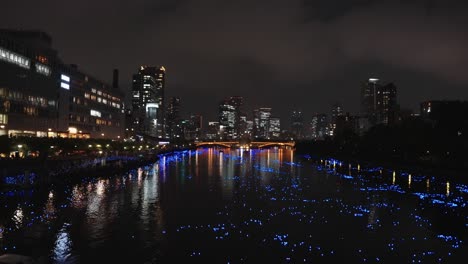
[253,144]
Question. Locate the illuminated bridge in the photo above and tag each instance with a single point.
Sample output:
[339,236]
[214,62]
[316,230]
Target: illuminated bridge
[253,144]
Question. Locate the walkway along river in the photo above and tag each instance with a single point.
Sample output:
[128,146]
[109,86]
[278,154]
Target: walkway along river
[240,206]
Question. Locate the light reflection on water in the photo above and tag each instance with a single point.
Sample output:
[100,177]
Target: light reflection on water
[244,204]
[62,246]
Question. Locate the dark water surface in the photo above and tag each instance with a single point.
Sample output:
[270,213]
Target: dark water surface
[237,206]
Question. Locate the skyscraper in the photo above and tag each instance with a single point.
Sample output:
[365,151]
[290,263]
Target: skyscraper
[378,102]
[148,100]
[297,124]
[237,102]
[274,128]
[172,117]
[196,126]
[230,116]
[227,119]
[337,111]
[319,126]
[261,122]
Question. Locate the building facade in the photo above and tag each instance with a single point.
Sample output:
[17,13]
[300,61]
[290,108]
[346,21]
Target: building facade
[261,122]
[148,101]
[28,80]
[319,126]
[41,96]
[89,107]
[379,102]
[172,117]
[297,124]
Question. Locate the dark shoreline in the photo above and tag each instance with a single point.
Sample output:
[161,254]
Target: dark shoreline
[442,173]
[50,172]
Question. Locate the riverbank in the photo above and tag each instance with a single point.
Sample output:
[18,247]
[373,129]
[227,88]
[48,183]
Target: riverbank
[27,173]
[413,166]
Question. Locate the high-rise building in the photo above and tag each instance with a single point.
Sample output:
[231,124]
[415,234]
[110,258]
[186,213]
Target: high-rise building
[261,122]
[274,128]
[196,126]
[237,102]
[336,113]
[227,119]
[148,100]
[379,102]
[172,117]
[230,117]
[212,132]
[297,124]
[319,126]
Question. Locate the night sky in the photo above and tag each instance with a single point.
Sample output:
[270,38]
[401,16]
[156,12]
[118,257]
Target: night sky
[284,54]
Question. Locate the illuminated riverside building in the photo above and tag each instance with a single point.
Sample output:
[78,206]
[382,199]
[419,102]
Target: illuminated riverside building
[148,101]
[28,97]
[40,96]
[89,107]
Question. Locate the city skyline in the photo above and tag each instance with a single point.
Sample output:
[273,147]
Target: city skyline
[215,50]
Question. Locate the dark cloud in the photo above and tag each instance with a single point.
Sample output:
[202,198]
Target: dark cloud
[303,54]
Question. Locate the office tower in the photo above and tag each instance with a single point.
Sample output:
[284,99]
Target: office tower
[172,117]
[89,107]
[148,101]
[336,113]
[237,102]
[379,102]
[274,128]
[212,132]
[41,96]
[319,126]
[261,122]
[227,119]
[297,124]
[195,127]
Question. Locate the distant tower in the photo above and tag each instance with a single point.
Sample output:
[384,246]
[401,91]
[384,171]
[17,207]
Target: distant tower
[261,122]
[172,117]
[148,100]
[297,124]
[337,111]
[274,128]
[319,126]
[227,118]
[378,102]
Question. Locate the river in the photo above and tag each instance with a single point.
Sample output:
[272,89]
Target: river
[241,206]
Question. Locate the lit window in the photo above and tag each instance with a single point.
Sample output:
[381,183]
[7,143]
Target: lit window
[14,58]
[65,78]
[42,69]
[65,86]
[3,119]
[95,113]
